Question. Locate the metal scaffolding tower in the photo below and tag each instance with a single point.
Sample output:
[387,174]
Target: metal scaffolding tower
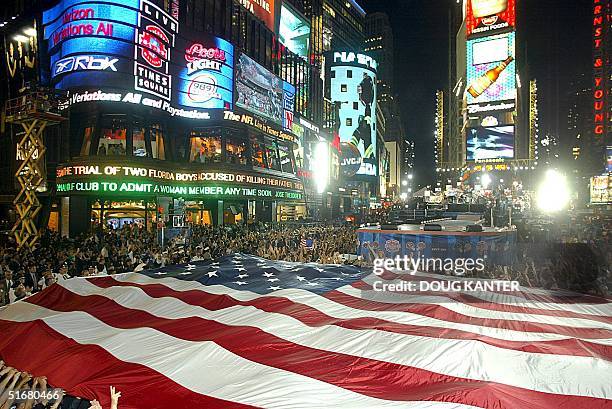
[34,111]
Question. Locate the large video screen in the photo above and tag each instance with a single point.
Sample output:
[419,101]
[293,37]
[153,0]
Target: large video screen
[496,142]
[353,93]
[488,16]
[261,92]
[294,31]
[131,51]
[491,69]
[265,10]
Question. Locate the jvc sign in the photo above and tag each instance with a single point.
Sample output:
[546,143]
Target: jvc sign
[84,63]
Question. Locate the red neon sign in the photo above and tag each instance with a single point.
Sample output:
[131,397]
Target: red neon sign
[80,29]
[198,52]
[599,94]
[153,49]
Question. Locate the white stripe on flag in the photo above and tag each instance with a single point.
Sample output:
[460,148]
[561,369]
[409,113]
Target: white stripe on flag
[581,376]
[469,310]
[604,309]
[341,311]
[184,362]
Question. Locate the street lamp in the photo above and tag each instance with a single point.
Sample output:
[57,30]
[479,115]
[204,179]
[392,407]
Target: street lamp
[404,183]
[410,176]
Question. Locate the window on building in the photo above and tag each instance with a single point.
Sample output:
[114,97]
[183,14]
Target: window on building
[139,146]
[272,159]
[258,153]
[158,147]
[286,159]
[87,137]
[349,121]
[349,73]
[355,106]
[205,146]
[343,88]
[236,151]
[113,140]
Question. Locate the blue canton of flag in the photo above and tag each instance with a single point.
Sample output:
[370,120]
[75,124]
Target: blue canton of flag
[255,274]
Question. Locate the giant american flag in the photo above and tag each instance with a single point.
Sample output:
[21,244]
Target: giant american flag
[243,331]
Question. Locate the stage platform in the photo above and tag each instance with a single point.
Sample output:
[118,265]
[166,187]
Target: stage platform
[494,245]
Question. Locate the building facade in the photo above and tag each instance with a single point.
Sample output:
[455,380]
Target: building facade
[176,112]
[180,111]
[488,109]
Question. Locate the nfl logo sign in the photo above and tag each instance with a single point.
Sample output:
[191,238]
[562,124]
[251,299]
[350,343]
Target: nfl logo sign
[288,119]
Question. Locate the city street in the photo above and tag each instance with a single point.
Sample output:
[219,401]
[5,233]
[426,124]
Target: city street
[305,204]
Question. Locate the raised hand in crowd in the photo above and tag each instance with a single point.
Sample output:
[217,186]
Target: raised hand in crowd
[23,380]
[8,384]
[114,395]
[95,405]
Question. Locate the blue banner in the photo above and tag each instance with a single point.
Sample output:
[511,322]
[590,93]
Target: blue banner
[499,249]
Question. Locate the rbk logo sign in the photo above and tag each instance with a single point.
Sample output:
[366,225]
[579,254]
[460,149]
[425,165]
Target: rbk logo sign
[84,62]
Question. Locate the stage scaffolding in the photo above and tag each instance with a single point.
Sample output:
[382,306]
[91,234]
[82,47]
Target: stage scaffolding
[34,111]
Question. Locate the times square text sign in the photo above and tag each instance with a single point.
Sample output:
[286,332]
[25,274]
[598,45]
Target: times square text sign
[107,178]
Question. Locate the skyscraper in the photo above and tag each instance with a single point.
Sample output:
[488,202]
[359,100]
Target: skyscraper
[379,44]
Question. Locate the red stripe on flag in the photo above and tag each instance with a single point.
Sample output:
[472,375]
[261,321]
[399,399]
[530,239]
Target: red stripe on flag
[445,314]
[473,301]
[88,371]
[374,378]
[315,318]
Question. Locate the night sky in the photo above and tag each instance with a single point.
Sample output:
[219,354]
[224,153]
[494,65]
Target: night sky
[558,48]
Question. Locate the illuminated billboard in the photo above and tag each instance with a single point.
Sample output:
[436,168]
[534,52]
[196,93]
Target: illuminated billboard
[601,190]
[353,94]
[294,31]
[21,57]
[489,16]
[491,69]
[206,76]
[130,51]
[261,92]
[133,178]
[489,119]
[265,10]
[92,43]
[490,142]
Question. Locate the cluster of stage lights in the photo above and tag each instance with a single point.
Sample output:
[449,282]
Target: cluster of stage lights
[469,168]
[553,193]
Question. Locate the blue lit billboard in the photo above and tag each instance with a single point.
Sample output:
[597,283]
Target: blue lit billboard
[353,94]
[205,74]
[491,69]
[75,18]
[486,143]
[131,51]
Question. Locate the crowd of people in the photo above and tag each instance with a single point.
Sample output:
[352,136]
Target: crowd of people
[21,390]
[133,248]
